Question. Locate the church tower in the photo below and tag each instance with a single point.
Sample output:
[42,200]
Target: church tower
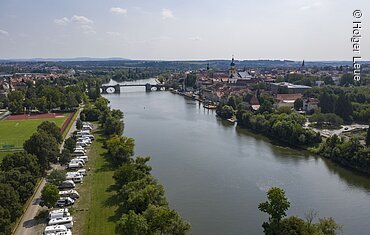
[232,70]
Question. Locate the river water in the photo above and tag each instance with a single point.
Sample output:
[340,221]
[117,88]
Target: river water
[216,174]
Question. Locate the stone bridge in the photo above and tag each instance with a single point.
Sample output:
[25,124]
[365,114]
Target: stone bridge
[116,89]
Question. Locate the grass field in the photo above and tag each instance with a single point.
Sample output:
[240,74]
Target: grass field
[15,132]
[93,211]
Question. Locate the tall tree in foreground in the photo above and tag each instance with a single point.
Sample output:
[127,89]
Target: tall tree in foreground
[276,206]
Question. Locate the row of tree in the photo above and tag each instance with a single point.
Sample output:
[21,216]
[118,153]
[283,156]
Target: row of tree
[43,96]
[350,153]
[20,171]
[142,206]
[283,127]
[276,206]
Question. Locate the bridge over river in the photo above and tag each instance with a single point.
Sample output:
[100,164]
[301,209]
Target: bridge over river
[116,89]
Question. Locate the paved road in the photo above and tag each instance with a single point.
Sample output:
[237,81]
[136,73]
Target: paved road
[27,224]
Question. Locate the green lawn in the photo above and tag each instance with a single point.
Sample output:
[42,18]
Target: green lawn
[94,214]
[15,132]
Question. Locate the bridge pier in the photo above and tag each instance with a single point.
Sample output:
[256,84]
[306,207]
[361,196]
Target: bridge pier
[148,87]
[117,89]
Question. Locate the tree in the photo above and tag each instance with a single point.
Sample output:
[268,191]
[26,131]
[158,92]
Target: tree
[344,108]
[22,161]
[368,136]
[79,124]
[49,195]
[293,226]
[5,222]
[44,147]
[70,144]
[56,177]
[52,129]
[101,104]
[165,221]
[276,206]
[113,126]
[9,199]
[120,148]
[298,104]
[132,224]
[65,157]
[16,99]
[328,226]
[225,112]
[327,102]
[134,171]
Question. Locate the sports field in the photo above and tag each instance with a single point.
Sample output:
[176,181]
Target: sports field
[13,133]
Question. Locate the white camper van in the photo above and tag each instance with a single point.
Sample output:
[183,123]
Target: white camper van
[51,230]
[69,193]
[59,213]
[66,221]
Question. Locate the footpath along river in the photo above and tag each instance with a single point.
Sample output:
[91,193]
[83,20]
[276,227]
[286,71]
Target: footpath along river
[215,174]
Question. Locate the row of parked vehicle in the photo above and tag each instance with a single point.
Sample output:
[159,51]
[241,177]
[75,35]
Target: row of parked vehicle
[60,220]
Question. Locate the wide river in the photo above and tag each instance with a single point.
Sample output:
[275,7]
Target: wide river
[216,174]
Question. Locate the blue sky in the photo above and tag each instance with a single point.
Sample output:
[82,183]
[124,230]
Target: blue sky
[182,29]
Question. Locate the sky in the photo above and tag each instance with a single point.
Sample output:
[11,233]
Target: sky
[183,29]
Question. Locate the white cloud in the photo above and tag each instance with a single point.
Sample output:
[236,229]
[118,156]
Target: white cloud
[167,14]
[81,20]
[118,10]
[113,34]
[87,29]
[4,33]
[311,6]
[62,21]
[195,38]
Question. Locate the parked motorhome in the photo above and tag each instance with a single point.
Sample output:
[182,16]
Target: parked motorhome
[66,221]
[67,184]
[82,172]
[59,213]
[69,193]
[73,166]
[51,230]
[65,201]
[76,179]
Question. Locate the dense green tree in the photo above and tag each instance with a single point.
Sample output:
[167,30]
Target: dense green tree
[368,136]
[134,171]
[79,124]
[16,106]
[328,226]
[44,147]
[293,226]
[344,108]
[327,102]
[5,222]
[65,157]
[56,177]
[120,149]
[138,195]
[70,144]
[132,224]
[298,104]
[101,104]
[9,199]
[346,79]
[225,111]
[165,221]
[4,101]
[23,162]
[70,101]
[49,195]
[276,206]
[113,126]
[52,129]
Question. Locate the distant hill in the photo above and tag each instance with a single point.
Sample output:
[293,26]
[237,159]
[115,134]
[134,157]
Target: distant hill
[65,59]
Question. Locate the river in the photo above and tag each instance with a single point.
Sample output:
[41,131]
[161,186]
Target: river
[216,174]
